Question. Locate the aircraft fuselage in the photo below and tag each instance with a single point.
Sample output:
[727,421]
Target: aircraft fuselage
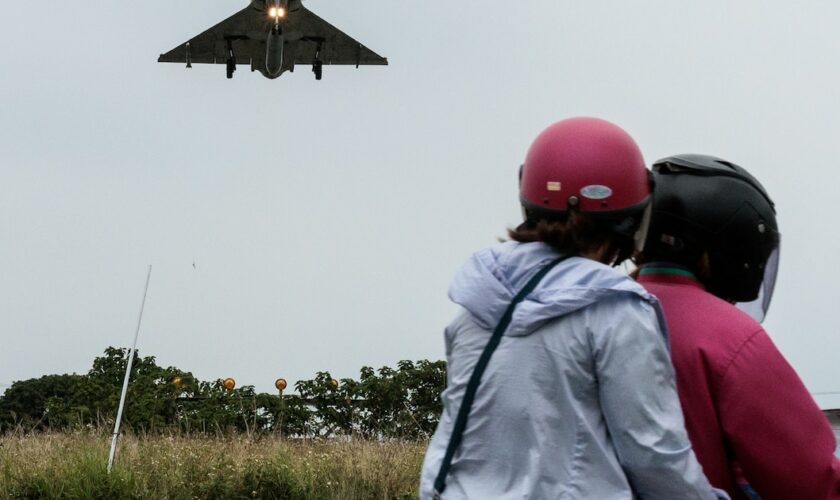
[272,36]
[274,53]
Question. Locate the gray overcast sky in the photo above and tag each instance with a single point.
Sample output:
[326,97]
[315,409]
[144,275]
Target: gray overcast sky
[326,218]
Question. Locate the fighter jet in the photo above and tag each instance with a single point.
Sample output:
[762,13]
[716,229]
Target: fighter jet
[272,36]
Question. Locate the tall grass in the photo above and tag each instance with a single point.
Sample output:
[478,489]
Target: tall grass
[73,465]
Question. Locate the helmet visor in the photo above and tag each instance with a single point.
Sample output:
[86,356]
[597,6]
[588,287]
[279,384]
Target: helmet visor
[758,308]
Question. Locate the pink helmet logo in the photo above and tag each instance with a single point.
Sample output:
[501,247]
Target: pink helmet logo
[596,192]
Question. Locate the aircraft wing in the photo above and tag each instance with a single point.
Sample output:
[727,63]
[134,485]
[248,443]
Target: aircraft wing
[246,29]
[336,46]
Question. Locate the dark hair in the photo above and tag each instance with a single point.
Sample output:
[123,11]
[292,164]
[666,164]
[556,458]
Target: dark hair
[699,261]
[574,234]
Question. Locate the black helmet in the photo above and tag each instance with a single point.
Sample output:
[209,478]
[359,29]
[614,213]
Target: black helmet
[706,204]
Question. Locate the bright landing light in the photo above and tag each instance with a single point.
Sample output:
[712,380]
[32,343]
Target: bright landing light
[275,12]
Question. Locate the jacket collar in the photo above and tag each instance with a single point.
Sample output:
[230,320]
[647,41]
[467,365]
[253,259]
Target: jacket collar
[667,272]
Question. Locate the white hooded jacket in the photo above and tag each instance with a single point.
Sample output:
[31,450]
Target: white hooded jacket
[577,402]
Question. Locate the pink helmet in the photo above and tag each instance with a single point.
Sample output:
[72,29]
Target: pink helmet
[584,164]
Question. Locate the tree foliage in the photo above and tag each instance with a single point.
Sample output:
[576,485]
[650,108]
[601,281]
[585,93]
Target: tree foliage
[401,402]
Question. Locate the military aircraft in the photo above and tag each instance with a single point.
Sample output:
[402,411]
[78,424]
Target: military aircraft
[272,36]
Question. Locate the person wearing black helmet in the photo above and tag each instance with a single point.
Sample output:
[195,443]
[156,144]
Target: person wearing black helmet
[711,257]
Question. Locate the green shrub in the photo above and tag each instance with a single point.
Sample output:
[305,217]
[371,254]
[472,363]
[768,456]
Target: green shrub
[401,403]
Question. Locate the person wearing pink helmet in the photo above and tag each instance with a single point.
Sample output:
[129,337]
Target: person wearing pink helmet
[559,383]
[711,258]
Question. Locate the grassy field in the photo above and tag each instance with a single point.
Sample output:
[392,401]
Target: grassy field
[73,465]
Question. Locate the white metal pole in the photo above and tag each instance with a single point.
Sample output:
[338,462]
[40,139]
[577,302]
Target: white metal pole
[127,375]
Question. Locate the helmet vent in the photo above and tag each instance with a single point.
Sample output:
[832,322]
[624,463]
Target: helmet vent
[672,241]
[726,164]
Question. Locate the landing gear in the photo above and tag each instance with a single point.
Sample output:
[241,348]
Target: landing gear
[317,65]
[231,60]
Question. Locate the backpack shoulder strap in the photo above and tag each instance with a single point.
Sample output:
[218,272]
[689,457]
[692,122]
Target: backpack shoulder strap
[480,366]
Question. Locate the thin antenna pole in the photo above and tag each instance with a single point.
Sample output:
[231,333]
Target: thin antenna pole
[127,375]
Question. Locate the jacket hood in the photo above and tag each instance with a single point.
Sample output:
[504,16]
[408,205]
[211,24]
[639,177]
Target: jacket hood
[487,283]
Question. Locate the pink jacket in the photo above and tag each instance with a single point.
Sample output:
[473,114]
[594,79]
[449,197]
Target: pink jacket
[743,403]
